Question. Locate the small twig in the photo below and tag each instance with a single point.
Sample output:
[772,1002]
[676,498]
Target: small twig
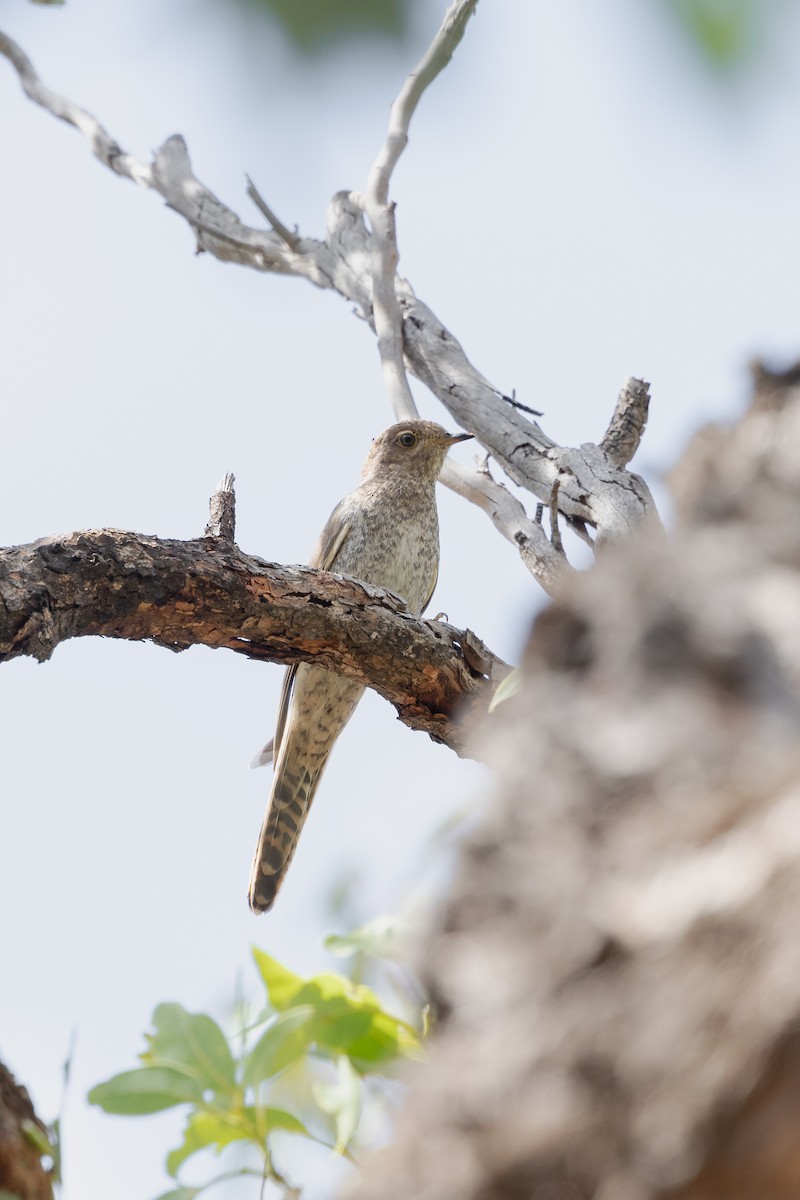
[512,400]
[291,239]
[222,510]
[219,229]
[555,532]
[57,1168]
[621,439]
[381,213]
[271,1172]
[241,1173]
[482,467]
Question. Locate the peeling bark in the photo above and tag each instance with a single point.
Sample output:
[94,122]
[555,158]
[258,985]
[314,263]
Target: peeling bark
[206,592]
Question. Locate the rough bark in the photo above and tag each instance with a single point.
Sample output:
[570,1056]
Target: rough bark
[207,592]
[617,966]
[22,1174]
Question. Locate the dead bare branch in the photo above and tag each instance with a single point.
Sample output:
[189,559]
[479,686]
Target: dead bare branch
[386,312]
[594,488]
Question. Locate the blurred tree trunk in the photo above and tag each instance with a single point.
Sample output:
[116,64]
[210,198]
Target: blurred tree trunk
[21,1172]
[617,966]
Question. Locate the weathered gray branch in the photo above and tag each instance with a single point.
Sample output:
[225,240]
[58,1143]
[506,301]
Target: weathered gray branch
[207,592]
[593,487]
[626,428]
[222,510]
[386,313]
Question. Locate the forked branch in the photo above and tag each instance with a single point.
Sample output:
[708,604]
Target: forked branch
[594,488]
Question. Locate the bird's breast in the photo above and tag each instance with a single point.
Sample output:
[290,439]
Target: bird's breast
[395,546]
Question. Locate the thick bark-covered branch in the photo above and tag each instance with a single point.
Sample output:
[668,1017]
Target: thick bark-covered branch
[207,592]
[616,966]
[594,488]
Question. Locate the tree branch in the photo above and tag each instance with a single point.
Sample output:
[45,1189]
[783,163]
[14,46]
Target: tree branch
[222,510]
[509,517]
[387,316]
[626,428]
[594,488]
[291,239]
[116,584]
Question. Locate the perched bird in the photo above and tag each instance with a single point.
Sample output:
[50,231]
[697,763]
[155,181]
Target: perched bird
[387,533]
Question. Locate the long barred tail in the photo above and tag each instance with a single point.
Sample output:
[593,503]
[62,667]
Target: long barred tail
[320,707]
[291,797]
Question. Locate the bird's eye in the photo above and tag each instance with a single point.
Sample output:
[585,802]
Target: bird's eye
[408,438]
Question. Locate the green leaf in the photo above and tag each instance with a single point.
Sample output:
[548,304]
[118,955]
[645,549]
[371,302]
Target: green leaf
[343,1101]
[722,29]
[267,1120]
[337,1016]
[324,986]
[36,1136]
[381,938]
[215,1131]
[195,1042]
[145,1090]
[282,985]
[349,1019]
[338,1025]
[286,1040]
[386,1038]
[181,1193]
[56,1151]
[316,25]
[208,1131]
[506,688]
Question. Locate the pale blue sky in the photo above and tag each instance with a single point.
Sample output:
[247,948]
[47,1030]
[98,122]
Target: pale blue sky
[579,202]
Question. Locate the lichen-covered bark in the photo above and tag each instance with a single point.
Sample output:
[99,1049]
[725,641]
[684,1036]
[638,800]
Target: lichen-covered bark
[206,592]
[617,966]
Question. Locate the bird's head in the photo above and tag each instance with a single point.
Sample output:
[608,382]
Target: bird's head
[417,448]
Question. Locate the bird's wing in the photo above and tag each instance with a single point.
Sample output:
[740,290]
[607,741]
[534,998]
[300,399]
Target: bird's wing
[328,545]
[270,751]
[330,540]
[430,593]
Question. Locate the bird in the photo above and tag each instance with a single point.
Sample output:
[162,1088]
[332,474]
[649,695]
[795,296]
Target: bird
[386,533]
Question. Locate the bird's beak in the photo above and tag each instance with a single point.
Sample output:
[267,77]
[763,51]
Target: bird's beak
[458,437]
